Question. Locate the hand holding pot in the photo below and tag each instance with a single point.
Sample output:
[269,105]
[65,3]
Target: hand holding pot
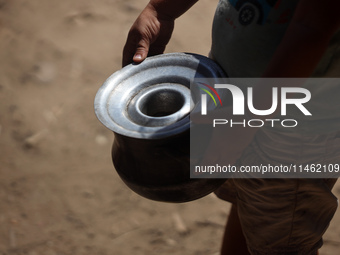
[153,28]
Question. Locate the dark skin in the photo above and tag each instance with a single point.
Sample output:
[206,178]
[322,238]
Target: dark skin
[152,30]
[306,39]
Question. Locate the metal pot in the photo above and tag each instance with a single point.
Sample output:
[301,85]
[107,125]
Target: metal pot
[147,107]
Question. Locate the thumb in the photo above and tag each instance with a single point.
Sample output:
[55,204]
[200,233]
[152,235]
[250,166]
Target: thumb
[135,50]
[141,52]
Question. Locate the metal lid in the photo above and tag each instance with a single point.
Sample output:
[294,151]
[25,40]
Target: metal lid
[152,100]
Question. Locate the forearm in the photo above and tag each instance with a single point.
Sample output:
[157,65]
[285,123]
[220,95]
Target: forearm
[306,40]
[171,9]
[300,53]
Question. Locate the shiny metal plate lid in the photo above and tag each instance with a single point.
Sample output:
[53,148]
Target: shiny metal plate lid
[152,100]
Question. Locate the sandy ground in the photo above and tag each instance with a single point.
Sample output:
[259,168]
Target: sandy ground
[59,193]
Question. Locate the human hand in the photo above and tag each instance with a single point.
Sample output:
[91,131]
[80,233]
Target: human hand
[148,36]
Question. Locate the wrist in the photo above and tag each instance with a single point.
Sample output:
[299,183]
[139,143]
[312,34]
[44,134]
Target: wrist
[170,9]
[159,13]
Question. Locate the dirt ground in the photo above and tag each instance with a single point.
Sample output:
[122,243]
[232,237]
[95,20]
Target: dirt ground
[59,193]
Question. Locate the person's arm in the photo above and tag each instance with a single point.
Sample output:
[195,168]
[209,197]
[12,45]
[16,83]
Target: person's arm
[152,30]
[307,38]
[303,45]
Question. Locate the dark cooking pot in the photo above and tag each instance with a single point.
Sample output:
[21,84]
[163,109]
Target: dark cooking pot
[147,107]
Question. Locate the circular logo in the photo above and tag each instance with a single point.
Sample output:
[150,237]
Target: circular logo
[247,15]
